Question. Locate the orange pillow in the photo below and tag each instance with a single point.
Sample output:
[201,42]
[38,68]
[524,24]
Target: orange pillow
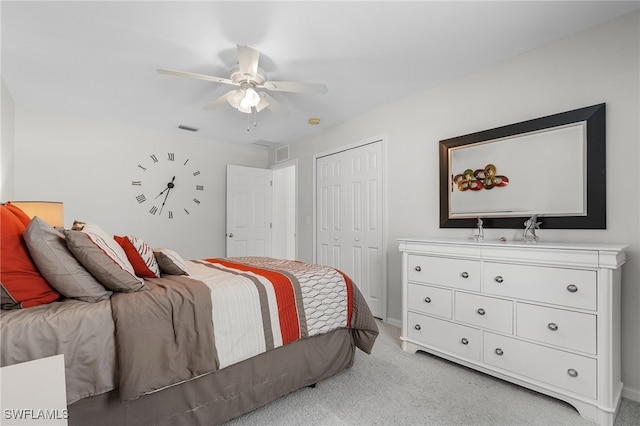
[139,265]
[17,211]
[22,285]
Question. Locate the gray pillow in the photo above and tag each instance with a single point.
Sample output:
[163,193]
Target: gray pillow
[101,266]
[170,262]
[58,266]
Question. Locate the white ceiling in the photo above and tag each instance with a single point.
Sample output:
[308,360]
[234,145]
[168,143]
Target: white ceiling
[99,59]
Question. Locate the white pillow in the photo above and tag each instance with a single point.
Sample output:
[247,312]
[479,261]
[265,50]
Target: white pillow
[146,254]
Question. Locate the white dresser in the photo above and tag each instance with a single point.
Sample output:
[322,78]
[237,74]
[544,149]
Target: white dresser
[545,316]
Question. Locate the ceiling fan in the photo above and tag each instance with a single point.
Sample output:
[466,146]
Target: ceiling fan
[249,78]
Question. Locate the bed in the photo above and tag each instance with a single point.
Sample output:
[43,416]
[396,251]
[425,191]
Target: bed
[200,342]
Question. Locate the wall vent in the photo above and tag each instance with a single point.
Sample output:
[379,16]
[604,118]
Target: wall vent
[282,154]
[187,128]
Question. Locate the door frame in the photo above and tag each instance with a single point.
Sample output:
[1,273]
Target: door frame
[282,165]
[383,140]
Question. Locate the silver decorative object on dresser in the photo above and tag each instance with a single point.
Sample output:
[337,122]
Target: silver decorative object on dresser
[543,316]
[530,226]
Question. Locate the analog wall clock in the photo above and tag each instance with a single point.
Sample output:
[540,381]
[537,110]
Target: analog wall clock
[168,185]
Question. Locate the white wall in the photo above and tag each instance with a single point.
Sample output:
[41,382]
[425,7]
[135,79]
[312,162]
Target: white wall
[6,143]
[599,65]
[89,165]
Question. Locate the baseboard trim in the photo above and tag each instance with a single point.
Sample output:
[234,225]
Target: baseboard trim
[630,393]
[394,322]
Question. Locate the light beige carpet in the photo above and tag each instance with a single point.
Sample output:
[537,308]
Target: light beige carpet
[392,387]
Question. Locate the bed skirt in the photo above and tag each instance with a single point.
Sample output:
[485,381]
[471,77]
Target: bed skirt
[228,393]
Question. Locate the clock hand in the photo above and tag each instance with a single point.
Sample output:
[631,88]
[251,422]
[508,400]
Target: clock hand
[165,190]
[169,186]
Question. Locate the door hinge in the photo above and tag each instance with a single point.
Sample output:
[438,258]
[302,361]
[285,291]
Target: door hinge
[270,225]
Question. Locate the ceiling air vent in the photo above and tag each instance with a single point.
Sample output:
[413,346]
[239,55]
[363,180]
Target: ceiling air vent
[282,154]
[187,128]
[265,144]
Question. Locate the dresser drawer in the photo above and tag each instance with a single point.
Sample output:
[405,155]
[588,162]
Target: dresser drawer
[485,312]
[456,273]
[567,287]
[446,336]
[568,371]
[429,300]
[568,329]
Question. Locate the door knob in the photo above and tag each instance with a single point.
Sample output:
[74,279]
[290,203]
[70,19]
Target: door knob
[230,235]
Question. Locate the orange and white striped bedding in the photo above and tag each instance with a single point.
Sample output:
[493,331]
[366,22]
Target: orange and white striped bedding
[173,332]
[261,303]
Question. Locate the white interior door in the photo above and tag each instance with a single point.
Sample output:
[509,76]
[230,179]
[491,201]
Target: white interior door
[329,211]
[349,218]
[249,210]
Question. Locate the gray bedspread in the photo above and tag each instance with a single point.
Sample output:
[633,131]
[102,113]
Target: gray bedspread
[150,340]
[164,336]
[82,331]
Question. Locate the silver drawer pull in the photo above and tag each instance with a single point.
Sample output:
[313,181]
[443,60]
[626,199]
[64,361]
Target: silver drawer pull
[571,372]
[464,341]
[464,275]
[552,326]
[572,288]
[481,311]
[417,327]
[499,279]
[499,352]
[427,299]
[418,268]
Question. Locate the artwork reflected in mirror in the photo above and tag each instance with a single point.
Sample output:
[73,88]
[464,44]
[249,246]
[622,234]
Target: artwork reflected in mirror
[552,167]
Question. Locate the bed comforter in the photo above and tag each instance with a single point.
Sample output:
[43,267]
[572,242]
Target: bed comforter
[226,311]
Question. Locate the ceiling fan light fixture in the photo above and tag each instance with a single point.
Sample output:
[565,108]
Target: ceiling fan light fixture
[251,98]
[248,77]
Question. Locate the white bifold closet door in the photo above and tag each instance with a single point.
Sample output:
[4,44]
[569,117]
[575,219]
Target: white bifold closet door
[349,219]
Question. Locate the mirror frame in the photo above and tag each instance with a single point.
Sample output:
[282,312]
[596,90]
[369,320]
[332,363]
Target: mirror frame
[595,170]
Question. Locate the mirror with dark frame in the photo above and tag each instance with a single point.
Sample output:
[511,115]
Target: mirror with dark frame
[552,166]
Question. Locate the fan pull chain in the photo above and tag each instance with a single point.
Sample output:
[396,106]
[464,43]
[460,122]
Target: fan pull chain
[255,119]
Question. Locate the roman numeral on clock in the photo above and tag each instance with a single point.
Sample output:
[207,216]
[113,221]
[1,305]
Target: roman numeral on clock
[170,156]
[153,210]
[141,198]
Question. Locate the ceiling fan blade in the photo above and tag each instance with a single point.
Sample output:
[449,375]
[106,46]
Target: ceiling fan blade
[263,102]
[196,76]
[248,60]
[219,101]
[273,105]
[291,86]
